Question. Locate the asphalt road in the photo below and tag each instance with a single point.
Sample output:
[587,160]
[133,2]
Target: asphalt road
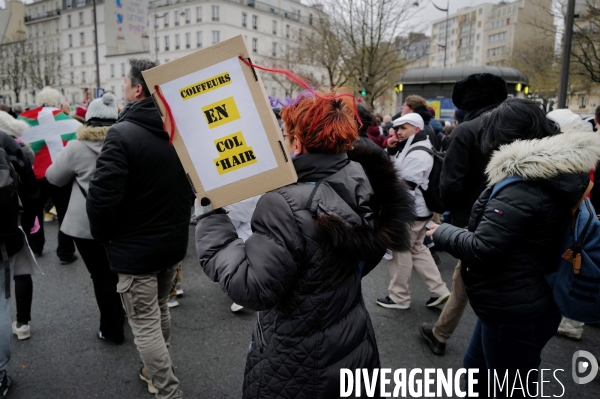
[64,358]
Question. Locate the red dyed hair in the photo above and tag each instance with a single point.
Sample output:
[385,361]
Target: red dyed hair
[323,126]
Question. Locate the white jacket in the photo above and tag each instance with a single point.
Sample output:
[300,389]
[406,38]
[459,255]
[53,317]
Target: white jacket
[416,167]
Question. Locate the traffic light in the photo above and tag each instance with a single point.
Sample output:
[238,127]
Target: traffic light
[399,87]
[363,93]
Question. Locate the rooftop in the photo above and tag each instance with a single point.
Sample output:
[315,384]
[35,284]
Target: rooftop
[451,75]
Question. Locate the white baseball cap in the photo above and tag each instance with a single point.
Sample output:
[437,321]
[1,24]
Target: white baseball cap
[413,119]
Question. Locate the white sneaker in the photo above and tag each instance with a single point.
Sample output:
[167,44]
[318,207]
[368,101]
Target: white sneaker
[23,332]
[236,308]
[571,329]
[172,302]
[179,289]
[388,254]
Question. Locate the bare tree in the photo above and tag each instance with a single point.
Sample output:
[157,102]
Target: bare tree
[44,67]
[324,45]
[15,57]
[585,52]
[293,57]
[537,59]
[586,43]
[355,42]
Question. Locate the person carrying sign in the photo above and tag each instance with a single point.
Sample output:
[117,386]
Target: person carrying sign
[138,205]
[312,243]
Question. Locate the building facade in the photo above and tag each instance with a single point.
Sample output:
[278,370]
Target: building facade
[488,34]
[62,35]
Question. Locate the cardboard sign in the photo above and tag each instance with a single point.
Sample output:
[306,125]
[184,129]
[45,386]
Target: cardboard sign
[226,134]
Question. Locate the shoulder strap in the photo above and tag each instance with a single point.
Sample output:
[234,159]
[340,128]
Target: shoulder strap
[6,263]
[503,183]
[421,148]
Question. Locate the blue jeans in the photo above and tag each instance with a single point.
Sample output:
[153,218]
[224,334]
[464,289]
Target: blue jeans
[505,348]
[5,321]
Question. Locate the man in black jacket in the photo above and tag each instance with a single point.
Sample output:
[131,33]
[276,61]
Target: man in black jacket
[462,181]
[139,205]
[16,177]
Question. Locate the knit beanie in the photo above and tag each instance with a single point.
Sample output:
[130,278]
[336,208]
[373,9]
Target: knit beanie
[103,108]
[12,126]
[569,121]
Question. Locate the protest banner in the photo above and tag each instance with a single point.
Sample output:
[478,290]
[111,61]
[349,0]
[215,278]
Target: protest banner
[218,114]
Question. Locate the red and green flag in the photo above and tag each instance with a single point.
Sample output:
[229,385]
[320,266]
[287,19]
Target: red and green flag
[49,131]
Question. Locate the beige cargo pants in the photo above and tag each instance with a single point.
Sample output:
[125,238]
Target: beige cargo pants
[145,299]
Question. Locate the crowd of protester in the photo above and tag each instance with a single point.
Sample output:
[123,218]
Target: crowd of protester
[370,187]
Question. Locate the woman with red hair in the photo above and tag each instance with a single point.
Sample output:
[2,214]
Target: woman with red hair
[312,243]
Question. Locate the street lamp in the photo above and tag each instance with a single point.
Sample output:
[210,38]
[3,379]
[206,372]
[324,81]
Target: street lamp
[96,45]
[570,9]
[157,17]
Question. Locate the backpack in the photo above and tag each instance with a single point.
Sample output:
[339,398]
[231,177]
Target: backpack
[432,196]
[576,283]
[9,200]
[9,211]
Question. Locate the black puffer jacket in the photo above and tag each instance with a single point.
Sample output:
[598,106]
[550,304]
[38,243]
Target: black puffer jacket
[302,269]
[139,199]
[514,239]
[27,190]
[463,173]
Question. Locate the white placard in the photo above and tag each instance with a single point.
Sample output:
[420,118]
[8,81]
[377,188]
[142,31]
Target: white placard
[219,153]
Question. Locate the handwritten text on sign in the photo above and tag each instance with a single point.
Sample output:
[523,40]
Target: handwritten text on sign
[234,154]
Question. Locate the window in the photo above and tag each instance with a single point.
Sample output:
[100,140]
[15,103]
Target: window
[287,31]
[177,42]
[254,22]
[255,45]
[199,39]
[112,70]
[69,4]
[274,49]
[244,19]
[215,13]
[274,27]
[216,36]
[81,18]
[68,21]
[582,102]
[166,43]
[166,25]
[156,44]
[187,15]
[83,77]
[83,58]
[498,37]
[493,52]
[155,22]
[480,11]
[198,14]
[72,77]
[122,69]
[70,40]
[479,36]
[176,17]
[81,38]
[188,40]
[71,59]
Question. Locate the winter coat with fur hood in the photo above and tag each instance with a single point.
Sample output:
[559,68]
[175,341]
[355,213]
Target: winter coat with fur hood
[301,268]
[514,239]
[76,165]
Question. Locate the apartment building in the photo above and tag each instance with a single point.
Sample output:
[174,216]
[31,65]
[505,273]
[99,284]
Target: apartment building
[488,34]
[12,37]
[414,48]
[181,27]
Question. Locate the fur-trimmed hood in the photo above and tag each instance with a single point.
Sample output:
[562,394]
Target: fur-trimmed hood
[92,136]
[561,163]
[363,208]
[544,159]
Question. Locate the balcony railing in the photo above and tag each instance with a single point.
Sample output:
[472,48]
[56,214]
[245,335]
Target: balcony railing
[49,14]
